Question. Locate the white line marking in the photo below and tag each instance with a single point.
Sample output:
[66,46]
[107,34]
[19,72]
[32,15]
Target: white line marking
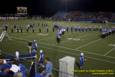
[109,51]
[2,35]
[98,54]
[43,34]
[66,48]
[102,60]
[74,39]
[112,45]
[75,50]
[94,41]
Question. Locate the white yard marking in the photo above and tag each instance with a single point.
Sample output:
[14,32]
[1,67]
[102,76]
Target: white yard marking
[109,51]
[76,38]
[42,34]
[2,35]
[112,45]
[80,37]
[92,42]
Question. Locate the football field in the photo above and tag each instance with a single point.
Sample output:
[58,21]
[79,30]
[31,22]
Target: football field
[99,53]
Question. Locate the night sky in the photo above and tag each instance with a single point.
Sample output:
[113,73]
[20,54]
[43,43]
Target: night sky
[49,7]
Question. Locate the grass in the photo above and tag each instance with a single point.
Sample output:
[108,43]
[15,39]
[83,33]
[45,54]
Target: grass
[90,43]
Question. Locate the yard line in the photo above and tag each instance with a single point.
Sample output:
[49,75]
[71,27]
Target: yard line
[102,60]
[76,54]
[75,50]
[54,45]
[99,54]
[20,39]
[109,51]
[94,41]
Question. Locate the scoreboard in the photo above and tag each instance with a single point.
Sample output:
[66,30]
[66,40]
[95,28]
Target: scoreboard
[22,10]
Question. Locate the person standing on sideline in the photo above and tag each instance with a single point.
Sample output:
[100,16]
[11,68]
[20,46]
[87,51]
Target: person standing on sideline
[48,67]
[41,57]
[82,60]
[34,45]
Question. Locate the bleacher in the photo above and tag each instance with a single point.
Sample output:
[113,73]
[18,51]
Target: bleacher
[100,17]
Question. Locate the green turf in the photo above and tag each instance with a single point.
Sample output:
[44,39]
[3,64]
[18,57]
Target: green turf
[90,43]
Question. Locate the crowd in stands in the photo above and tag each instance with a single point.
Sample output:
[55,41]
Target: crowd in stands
[14,67]
[101,17]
